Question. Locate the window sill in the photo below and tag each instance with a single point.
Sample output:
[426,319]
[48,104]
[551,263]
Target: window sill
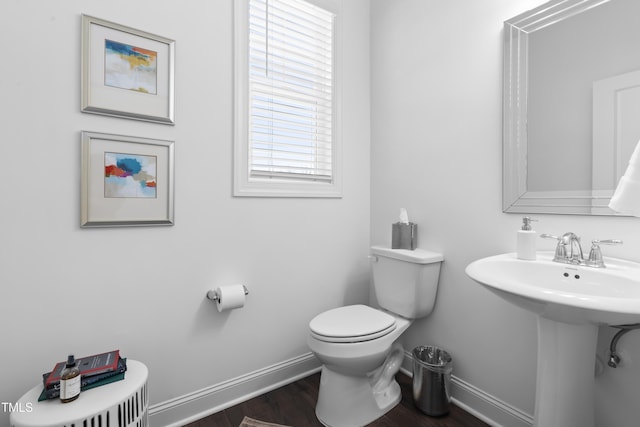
[283,188]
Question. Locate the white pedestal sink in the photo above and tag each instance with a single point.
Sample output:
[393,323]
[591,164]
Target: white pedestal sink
[570,302]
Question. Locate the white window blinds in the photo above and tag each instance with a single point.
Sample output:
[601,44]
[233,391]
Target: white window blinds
[290,90]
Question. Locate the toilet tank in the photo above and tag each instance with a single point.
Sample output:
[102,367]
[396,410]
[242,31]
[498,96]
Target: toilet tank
[405,282]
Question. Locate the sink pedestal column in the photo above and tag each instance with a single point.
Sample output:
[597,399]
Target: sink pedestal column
[565,379]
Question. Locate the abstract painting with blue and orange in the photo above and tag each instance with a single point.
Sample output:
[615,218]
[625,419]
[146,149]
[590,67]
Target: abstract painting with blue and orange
[129,175]
[130,67]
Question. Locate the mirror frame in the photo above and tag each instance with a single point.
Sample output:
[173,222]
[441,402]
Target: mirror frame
[516,198]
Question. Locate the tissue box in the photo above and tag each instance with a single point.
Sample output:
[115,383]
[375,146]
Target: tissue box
[404,236]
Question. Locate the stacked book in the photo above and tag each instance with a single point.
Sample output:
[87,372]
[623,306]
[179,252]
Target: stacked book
[96,370]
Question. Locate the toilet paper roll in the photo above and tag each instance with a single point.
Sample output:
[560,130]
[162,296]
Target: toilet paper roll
[230,297]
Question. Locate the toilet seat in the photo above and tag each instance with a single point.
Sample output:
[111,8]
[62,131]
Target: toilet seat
[351,324]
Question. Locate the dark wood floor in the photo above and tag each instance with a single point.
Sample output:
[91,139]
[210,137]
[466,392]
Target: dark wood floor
[294,405]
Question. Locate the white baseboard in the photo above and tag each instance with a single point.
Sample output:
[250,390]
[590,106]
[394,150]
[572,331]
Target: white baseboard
[193,406]
[199,404]
[478,403]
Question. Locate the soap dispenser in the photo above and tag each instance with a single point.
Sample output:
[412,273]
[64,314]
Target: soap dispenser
[526,244]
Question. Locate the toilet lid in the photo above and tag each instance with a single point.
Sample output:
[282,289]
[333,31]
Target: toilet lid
[353,323]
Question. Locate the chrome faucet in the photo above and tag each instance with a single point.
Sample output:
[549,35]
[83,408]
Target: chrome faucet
[569,250]
[572,241]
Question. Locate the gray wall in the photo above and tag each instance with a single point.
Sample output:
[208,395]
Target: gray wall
[142,290]
[436,150]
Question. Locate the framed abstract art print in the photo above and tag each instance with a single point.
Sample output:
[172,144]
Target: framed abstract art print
[125,181]
[126,72]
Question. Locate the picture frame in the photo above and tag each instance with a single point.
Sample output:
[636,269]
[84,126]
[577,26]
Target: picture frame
[126,72]
[126,181]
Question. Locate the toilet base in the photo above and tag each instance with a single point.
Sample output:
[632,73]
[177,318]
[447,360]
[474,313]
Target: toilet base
[350,401]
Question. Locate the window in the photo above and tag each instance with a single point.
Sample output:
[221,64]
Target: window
[286,130]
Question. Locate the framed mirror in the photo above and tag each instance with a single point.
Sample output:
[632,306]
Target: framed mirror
[571,105]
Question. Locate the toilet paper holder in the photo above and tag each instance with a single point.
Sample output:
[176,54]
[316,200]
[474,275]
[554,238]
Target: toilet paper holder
[213,295]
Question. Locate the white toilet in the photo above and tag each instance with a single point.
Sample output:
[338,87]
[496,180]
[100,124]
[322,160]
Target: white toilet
[357,344]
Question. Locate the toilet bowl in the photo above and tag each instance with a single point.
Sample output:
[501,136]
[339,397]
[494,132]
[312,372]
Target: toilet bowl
[359,345]
[357,379]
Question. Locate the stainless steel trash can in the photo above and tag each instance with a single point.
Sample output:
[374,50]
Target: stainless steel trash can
[431,378]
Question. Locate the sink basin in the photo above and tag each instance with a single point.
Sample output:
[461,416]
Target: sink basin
[564,292]
[570,303]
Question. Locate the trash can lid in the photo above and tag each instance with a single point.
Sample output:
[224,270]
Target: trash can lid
[431,355]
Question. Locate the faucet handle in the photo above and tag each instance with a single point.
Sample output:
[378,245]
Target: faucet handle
[595,255]
[549,236]
[561,248]
[596,242]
